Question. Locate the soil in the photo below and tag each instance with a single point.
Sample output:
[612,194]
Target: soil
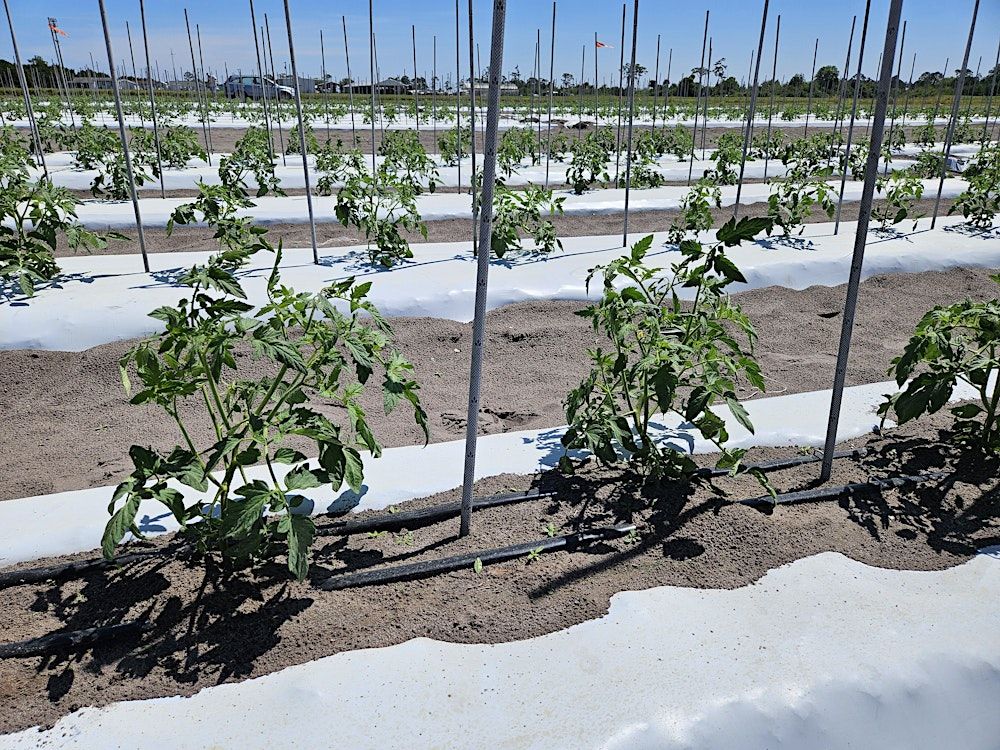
[333,234]
[207,627]
[67,412]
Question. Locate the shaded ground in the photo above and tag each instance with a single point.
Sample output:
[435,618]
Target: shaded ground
[332,234]
[207,627]
[67,415]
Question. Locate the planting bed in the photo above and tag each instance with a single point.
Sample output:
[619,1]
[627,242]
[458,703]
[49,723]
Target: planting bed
[211,629]
[69,410]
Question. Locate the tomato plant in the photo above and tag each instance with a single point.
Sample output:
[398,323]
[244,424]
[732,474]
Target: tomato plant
[517,212]
[952,344]
[666,356]
[980,201]
[899,193]
[316,354]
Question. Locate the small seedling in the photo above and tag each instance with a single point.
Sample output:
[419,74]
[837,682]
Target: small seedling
[533,555]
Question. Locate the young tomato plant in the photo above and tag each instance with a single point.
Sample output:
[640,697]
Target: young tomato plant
[900,192]
[666,356]
[178,145]
[794,198]
[952,344]
[589,164]
[251,156]
[404,159]
[33,215]
[517,212]
[696,210]
[380,207]
[980,201]
[315,353]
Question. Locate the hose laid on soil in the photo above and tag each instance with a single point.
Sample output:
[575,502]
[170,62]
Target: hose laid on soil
[409,520]
[397,573]
[75,640]
[845,490]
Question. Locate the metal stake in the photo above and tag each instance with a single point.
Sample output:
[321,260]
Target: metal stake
[552,68]
[350,84]
[472,129]
[302,134]
[483,262]
[124,137]
[631,114]
[621,94]
[277,96]
[864,215]
[774,85]
[458,98]
[697,107]
[894,89]
[152,98]
[326,84]
[416,98]
[201,63]
[812,80]
[197,88]
[989,100]
[263,89]
[35,134]
[956,102]
[753,110]
[854,110]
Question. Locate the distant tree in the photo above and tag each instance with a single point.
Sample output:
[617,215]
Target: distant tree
[828,78]
[567,80]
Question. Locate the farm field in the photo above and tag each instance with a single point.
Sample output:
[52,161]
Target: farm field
[653,406]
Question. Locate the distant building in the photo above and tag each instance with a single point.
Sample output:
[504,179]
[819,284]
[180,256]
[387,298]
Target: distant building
[482,88]
[388,86]
[306,85]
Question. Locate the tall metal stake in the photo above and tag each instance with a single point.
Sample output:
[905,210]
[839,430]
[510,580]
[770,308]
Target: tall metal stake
[989,100]
[956,102]
[631,114]
[416,98]
[472,129]
[152,97]
[656,79]
[753,110]
[302,134]
[277,96]
[260,75]
[371,66]
[197,87]
[864,215]
[135,77]
[204,78]
[458,97]
[812,80]
[774,86]
[350,84]
[894,92]
[434,79]
[697,107]
[621,95]
[326,84]
[552,72]
[854,111]
[124,138]
[483,261]
[35,135]
[842,85]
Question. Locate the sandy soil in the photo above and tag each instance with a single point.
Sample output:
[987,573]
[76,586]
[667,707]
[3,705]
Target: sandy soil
[332,234]
[208,628]
[67,412]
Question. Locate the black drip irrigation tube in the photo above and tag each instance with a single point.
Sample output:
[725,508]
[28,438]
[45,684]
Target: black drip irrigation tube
[74,640]
[844,490]
[410,520]
[410,571]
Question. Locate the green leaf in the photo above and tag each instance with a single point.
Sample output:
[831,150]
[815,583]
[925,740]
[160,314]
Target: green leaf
[121,521]
[301,531]
[301,478]
[354,470]
[967,411]
[738,411]
[288,456]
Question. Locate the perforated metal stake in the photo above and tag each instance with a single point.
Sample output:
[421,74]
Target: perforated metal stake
[753,110]
[35,135]
[483,261]
[631,117]
[302,133]
[864,215]
[854,112]
[124,138]
[152,97]
[956,102]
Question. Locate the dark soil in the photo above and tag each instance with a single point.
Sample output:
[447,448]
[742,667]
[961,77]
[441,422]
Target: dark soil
[207,627]
[67,412]
[332,234]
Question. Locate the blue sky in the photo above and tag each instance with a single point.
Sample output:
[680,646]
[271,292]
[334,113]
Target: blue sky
[936,29]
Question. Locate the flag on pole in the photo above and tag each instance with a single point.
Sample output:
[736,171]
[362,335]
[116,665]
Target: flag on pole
[54,28]
[602,44]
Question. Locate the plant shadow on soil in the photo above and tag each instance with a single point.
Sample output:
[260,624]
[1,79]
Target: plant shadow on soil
[221,623]
[12,295]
